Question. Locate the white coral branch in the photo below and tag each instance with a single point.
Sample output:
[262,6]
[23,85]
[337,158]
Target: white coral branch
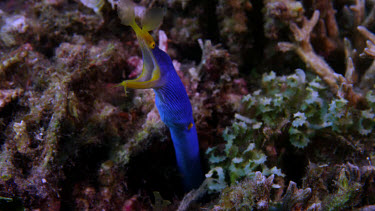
[370,46]
[339,85]
[303,34]
[350,73]
[359,10]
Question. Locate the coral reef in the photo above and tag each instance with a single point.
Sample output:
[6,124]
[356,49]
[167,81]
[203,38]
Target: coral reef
[232,16]
[296,198]
[7,95]
[248,195]
[283,96]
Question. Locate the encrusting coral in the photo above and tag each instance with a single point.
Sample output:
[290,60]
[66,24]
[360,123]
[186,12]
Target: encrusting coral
[7,95]
[247,195]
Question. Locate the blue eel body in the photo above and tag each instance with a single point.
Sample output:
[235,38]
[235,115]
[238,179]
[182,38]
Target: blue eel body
[171,98]
[175,111]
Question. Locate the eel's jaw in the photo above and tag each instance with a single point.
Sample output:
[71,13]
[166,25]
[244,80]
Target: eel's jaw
[151,75]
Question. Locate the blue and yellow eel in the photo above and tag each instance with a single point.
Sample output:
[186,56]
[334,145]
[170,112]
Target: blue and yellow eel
[171,98]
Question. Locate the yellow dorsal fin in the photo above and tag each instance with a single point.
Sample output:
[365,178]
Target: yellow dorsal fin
[152,19]
[126,13]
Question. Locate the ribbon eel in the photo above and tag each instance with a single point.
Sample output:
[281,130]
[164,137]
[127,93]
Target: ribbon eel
[171,98]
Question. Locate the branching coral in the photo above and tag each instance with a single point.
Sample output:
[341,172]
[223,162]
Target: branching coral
[338,84]
[295,198]
[326,37]
[370,49]
[359,9]
[367,81]
[370,19]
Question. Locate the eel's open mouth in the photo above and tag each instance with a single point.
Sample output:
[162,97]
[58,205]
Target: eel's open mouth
[150,76]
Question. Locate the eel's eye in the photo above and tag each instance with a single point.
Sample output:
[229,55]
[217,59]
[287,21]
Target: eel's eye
[152,45]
